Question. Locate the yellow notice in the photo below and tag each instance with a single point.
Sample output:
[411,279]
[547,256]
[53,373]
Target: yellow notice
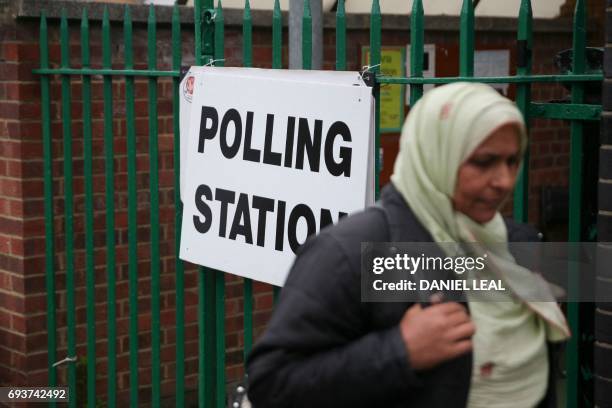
[391,96]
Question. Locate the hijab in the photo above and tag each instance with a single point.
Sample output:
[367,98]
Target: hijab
[441,132]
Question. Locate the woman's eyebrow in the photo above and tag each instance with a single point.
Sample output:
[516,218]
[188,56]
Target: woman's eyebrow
[493,154]
[485,155]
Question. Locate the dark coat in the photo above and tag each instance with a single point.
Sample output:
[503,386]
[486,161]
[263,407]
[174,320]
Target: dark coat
[323,347]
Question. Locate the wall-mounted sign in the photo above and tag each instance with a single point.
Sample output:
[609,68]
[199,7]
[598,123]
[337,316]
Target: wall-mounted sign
[429,67]
[391,96]
[493,63]
[268,158]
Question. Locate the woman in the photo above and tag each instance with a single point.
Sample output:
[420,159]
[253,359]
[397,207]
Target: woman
[460,152]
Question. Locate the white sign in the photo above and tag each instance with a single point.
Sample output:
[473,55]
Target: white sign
[429,67]
[269,157]
[493,63]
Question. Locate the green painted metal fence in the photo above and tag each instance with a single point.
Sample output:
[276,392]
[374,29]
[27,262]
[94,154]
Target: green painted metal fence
[108,73]
[209,49]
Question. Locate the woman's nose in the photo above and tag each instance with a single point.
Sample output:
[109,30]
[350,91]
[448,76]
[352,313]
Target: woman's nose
[504,177]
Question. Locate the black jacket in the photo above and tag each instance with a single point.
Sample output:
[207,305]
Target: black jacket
[323,347]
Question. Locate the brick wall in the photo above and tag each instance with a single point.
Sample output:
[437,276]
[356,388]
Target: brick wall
[23,335]
[20,208]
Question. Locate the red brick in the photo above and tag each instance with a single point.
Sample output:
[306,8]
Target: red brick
[18,360]
[5,247]
[261,287]
[263,302]
[10,263]
[30,130]
[9,109]
[38,361]
[17,246]
[10,149]
[33,188]
[34,227]
[166,143]
[36,303]
[12,168]
[32,169]
[12,91]
[36,323]
[38,378]
[29,91]
[11,226]
[8,71]
[11,282]
[34,246]
[12,129]
[15,208]
[18,323]
[29,52]
[5,317]
[24,71]
[33,207]
[233,324]
[29,110]
[5,206]
[10,188]
[12,340]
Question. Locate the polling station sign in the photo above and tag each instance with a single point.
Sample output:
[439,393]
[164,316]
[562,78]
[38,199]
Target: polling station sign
[269,157]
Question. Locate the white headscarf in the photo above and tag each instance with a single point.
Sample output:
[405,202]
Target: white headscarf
[441,132]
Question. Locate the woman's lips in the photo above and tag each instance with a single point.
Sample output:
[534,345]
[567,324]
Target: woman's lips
[489,203]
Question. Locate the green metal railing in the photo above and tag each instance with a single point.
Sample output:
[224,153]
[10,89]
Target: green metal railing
[209,49]
[89,243]
[108,74]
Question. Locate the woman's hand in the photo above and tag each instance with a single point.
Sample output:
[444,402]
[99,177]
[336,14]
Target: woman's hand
[435,334]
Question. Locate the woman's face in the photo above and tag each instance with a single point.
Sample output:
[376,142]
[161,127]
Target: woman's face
[487,177]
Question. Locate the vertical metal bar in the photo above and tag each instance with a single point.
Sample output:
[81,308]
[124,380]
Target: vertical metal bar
[132,208]
[48,189]
[220,282]
[417,49]
[277,62]
[340,37]
[248,317]
[208,279]
[575,206]
[523,101]
[154,190]
[203,358]
[68,205]
[207,307]
[178,205]
[89,244]
[466,39]
[197,18]
[307,36]
[277,36]
[208,32]
[202,351]
[375,48]
[247,56]
[247,36]
[219,36]
[204,50]
[220,337]
[110,208]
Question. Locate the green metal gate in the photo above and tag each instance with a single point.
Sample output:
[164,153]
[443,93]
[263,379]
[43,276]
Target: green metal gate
[209,46]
